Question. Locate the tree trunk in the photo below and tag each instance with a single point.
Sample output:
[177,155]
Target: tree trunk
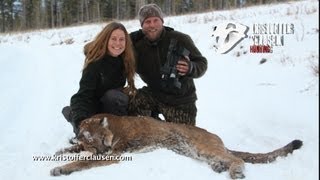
[86,5]
[139,4]
[3,18]
[52,13]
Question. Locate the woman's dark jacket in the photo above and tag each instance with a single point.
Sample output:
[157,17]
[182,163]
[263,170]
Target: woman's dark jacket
[97,78]
[151,57]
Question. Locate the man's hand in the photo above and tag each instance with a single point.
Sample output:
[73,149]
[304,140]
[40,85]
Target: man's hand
[183,66]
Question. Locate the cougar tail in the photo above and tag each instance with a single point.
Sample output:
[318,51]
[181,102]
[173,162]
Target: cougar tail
[270,156]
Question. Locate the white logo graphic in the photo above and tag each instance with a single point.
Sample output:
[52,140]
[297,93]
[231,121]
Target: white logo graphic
[228,35]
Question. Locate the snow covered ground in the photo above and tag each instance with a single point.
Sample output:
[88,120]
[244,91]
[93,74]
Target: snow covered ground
[251,106]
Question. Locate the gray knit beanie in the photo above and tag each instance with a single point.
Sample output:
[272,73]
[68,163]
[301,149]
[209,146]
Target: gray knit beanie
[149,10]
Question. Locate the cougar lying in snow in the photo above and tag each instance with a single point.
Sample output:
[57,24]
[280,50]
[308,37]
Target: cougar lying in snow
[114,135]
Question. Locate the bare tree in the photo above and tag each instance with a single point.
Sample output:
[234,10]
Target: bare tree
[3,16]
[139,3]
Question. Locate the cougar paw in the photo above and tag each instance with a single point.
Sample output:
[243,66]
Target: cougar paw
[58,171]
[236,171]
[218,167]
[237,175]
[55,171]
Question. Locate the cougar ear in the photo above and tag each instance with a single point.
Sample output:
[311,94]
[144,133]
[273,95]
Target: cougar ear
[88,136]
[104,122]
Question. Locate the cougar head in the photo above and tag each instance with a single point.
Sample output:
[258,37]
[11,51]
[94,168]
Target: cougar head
[96,136]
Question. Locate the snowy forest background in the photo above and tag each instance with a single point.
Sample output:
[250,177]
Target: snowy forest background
[17,15]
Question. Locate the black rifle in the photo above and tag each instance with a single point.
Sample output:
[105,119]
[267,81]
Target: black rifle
[169,73]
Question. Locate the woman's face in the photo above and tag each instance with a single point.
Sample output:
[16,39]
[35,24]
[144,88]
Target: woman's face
[117,43]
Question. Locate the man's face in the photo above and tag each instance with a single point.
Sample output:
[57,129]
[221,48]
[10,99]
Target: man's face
[152,28]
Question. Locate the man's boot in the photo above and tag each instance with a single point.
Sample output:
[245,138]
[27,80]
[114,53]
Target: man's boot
[67,113]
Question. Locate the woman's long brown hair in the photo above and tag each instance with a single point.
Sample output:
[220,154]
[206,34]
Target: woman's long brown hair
[98,48]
